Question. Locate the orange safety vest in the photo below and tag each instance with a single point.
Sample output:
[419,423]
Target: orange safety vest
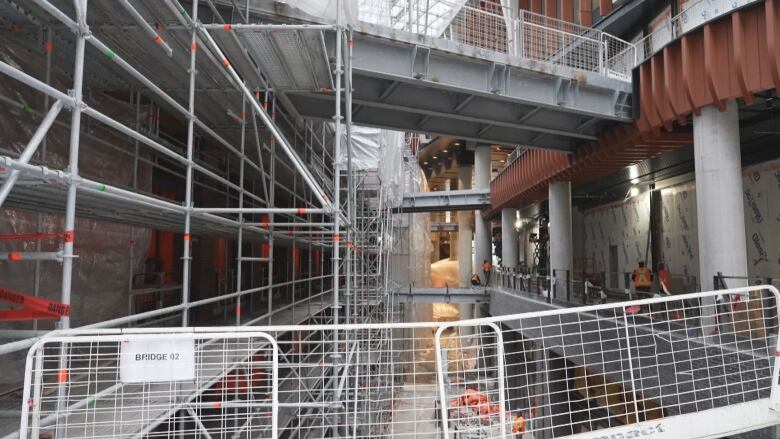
[486,266]
[518,426]
[643,278]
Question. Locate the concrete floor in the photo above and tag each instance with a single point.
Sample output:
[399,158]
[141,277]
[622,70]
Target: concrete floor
[414,415]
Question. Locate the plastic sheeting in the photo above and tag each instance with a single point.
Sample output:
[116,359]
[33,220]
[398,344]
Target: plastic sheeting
[401,175]
[327,10]
[101,270]
[371,146]
[627,224]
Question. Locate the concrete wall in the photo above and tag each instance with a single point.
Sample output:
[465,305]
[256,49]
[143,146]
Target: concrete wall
[627,225]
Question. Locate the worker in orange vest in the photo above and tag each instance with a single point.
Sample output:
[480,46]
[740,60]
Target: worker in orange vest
[518,425]
[486,270]
[642,277]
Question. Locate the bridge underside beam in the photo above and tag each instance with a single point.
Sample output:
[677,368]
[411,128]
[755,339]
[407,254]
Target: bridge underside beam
[443,295]
[439,201]
[483,97]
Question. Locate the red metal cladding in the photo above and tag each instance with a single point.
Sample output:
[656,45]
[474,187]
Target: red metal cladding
[722,60]
[662,105]
[586,13]
[673,86]
[551,8]
[772,22]
[536,6]
[567,10]
[605,7]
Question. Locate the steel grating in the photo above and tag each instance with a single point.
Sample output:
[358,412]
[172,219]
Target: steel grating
[292,59]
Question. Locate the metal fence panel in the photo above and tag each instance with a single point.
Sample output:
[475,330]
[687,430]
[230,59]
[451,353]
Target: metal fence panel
[151,384]
[649,367]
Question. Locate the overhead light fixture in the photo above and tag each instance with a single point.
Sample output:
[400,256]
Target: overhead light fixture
[444,150]
[425,163]
[435,157]
[456,144]
[634,191]
[633,174]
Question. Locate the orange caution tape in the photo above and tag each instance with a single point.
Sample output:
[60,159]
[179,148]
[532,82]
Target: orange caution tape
[38,306]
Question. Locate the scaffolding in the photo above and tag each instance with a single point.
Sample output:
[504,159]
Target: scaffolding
[195,95]
[248,168]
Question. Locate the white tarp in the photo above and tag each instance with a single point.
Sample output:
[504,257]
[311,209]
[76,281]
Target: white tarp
[327,10]
[626,225]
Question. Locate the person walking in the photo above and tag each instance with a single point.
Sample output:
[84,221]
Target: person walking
[486,271]
[642,278]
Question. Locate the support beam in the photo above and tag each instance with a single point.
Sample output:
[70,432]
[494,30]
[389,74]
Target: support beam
[439,201]
[460,296]
[561,254]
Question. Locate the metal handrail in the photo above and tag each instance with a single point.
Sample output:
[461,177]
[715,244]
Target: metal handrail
[676,26]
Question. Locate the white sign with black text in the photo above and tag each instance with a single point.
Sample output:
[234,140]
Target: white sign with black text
[156,360]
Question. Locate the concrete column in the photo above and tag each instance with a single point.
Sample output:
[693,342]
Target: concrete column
[436,254]
[719,207]
[464,231]
[509,251]
[453,184]
[482,238]
[466,313]
[561,255]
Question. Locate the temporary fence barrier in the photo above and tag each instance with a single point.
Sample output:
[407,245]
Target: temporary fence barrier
[688,366]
